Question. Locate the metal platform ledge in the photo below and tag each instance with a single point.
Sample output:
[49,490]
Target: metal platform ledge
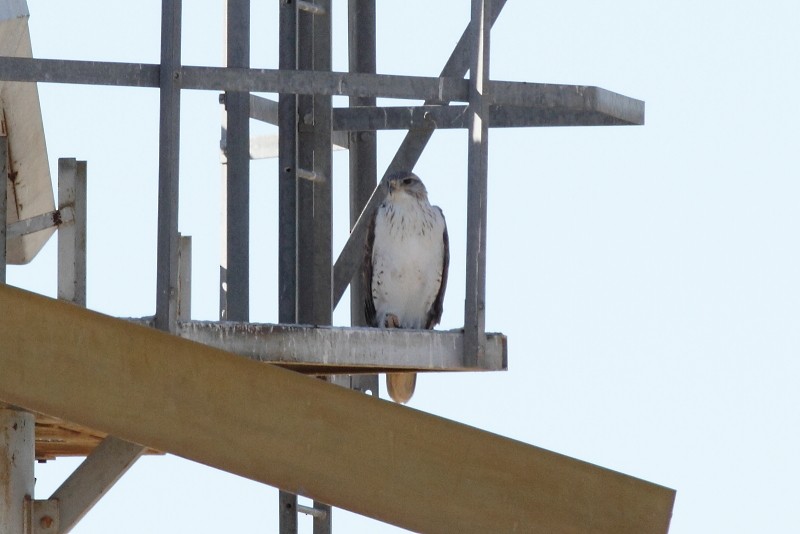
[346,350]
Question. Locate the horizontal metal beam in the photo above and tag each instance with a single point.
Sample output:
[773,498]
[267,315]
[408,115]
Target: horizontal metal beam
[18,69]
[266,110]
[596,109]
[629,112]
[40,222]
[373,457]
[234,79]
[442,89]
[347,350]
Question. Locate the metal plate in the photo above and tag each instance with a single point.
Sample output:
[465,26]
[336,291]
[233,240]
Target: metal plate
[30,190]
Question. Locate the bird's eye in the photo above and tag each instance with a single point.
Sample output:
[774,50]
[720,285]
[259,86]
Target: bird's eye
[408,181]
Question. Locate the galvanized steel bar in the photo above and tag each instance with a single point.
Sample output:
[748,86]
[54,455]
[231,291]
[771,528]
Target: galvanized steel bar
[362,53]
[287,170]
[287,211]
[235,79]
[314,220]
[72,235]
[320,309]
[357,350]
[406,157]
[185,279]
[311,511]
[266,110]
[599,108]
[310,7]
[326,83]
[40,222]
[19,69]
[17,442]
[478,171]
[592,113]
[237,104]
[447,88]
[93,478]
[168,166]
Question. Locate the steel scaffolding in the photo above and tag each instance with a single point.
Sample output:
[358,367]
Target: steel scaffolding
[311,281]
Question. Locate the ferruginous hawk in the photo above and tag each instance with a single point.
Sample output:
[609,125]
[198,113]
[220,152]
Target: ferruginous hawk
[405,266]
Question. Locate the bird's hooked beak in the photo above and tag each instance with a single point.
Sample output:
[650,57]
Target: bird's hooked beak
[393,186]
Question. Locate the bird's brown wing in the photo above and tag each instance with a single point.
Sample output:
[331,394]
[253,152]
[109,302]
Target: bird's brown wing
[366,272]
[435,313]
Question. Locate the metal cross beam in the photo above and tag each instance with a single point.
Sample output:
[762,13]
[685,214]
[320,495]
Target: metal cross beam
[446,88]
[561,105]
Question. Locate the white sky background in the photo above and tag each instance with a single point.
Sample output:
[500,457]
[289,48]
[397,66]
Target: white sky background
[647,277]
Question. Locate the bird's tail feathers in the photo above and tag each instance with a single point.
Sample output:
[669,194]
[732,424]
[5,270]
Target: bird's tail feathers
[401,386]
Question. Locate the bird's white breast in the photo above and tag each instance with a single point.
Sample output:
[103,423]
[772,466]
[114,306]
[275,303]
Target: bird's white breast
[407,255]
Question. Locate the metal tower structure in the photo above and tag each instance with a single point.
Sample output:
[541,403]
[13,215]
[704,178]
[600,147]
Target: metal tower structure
[311,284]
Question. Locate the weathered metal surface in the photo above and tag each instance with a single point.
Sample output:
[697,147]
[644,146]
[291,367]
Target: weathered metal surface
[558,103]
[93,478]
[601,109]
[363,160]
[332,350]
[477,185]
[50,219]
[326,442]
[72,196]
[266,110]
[45,516]
[237,169]
[287,113]
[185,279]
[16,466]
[29,190]
[168,166]
[346,350]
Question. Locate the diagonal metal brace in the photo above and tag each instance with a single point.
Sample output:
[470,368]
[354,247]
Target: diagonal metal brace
[405,159]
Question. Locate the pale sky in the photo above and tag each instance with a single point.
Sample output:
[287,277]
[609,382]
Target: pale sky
[646,277]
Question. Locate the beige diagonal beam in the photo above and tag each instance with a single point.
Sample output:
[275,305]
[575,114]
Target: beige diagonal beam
[370,456]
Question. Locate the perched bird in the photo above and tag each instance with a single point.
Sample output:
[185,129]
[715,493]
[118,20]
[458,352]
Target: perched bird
[405,266]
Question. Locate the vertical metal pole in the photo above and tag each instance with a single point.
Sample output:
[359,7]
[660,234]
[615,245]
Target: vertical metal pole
[287,211]
[478,152]
[237,145]
[185,279]
[287,179]
[307,276]
[314,198]
[363,156]
[16,468]
[72,236]
[168,166]
[3,204]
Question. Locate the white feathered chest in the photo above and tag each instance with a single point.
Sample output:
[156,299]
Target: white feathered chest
[408,260]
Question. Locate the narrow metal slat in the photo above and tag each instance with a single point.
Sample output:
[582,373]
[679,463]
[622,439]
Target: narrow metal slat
[237,169]
[478,172]
[168,166]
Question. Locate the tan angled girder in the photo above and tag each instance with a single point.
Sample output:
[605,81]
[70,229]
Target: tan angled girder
[353,451]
